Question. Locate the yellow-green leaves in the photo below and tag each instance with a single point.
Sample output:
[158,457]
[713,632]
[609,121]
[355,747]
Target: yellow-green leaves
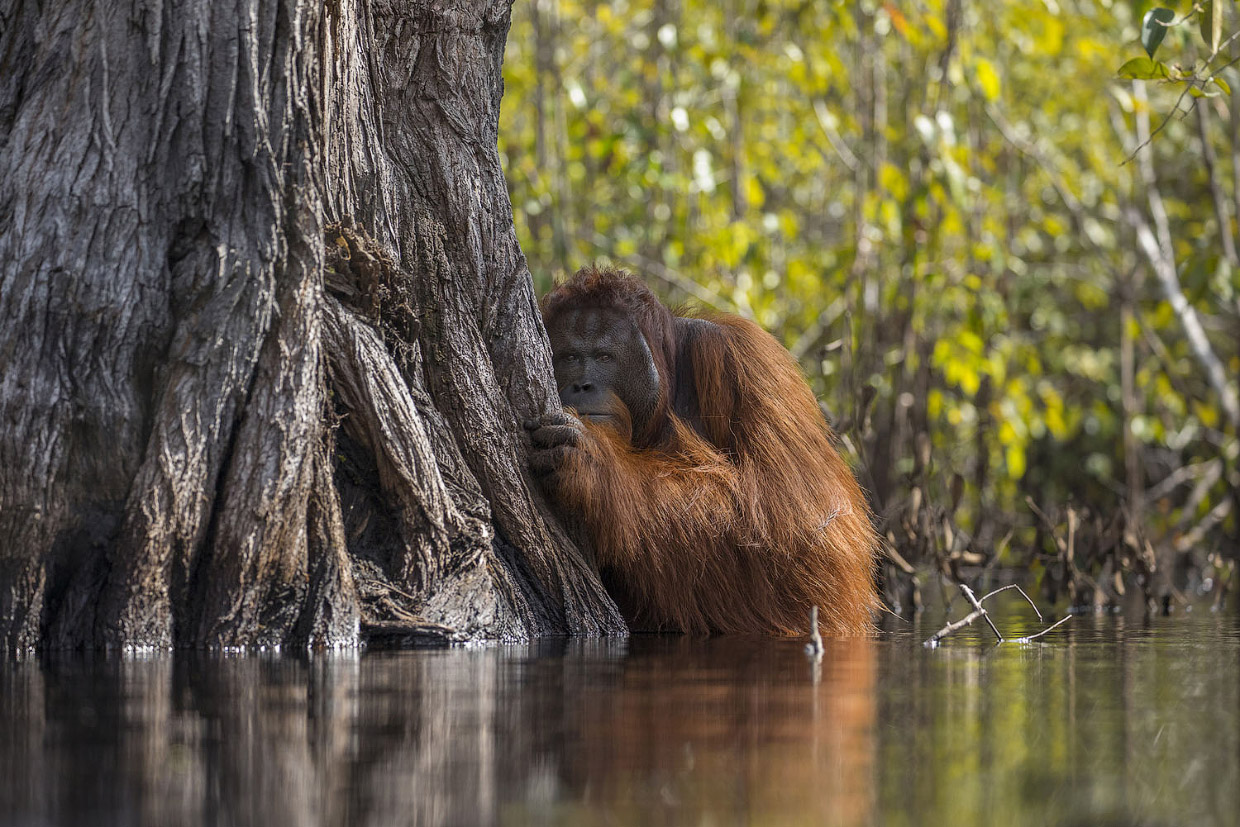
[1210,20]
[987,78]
[1201,73]
[941,224]
[1143,68]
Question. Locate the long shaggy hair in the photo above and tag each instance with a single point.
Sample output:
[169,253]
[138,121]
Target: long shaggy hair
[734,515]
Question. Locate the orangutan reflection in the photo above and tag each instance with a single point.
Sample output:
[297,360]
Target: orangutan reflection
[726,731]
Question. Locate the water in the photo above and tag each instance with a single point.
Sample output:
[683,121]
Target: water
[1107,721]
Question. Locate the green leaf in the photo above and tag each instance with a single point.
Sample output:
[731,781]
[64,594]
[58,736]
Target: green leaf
[1154,28]
[1222,84]
[1210,20]
[1142,68]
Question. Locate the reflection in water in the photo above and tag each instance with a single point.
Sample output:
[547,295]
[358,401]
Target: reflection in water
[682,729]
[1102,722]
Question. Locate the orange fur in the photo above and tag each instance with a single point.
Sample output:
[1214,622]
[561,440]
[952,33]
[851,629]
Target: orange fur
[738,528]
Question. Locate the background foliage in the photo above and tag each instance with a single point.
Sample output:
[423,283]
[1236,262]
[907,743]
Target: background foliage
[937,207]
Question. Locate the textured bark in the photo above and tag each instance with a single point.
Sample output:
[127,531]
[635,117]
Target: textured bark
[176,179]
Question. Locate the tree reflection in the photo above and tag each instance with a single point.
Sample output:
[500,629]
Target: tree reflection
[650,731]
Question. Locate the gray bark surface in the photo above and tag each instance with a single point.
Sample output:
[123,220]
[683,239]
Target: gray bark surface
[266,333]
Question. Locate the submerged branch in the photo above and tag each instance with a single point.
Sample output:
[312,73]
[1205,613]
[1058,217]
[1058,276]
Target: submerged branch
[934,639]
[980,612]
[977,607]
[1050,628]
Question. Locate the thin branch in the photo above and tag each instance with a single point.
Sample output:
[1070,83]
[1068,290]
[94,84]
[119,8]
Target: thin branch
[1150,137]
[815,332]
[1198,495]
[823,116]
[1188,15]
[1198,533]
[1165,360]
[1234,37]
[977,607]
[1227,65]
[1048,522]
[1050,628]
[1022,594]
[814,648]
[934,639]
[1184,474]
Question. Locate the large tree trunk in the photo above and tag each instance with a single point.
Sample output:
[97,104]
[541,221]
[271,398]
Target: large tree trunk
[266,334]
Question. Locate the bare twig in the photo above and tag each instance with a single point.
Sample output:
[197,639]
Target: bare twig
[934,639]
[1220,48]
[1050,628]
[1198,533]
[814,648]
[1048,522]
[1212,468]
[1187,17]
[1146,139]
[977,607]
[1032,605]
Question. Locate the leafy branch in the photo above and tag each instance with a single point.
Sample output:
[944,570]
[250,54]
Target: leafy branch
[1202,79]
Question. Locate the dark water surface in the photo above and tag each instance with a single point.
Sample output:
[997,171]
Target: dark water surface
[1105,722]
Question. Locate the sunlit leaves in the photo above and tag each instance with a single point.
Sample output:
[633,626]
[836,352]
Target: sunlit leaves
[1143,68]
[949,222]
[988,78]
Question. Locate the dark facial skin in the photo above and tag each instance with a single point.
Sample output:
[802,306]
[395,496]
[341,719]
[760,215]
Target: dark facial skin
[601,356]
